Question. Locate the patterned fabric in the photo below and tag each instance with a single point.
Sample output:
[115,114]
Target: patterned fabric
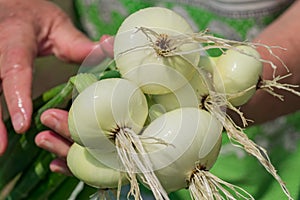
[232,19]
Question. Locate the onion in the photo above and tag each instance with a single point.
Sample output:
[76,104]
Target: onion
[237,73]
[148,50]
[158,54]
[192,137]
[107,117]
[88,169]
[208,63]
[102,109]
[190,95]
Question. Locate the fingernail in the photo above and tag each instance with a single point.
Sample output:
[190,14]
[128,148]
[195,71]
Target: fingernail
[104,37]
[18,121]
[49,120]
[45,119]
[107,39]
[57,167]
[63,170]
[45,144]
[41,141]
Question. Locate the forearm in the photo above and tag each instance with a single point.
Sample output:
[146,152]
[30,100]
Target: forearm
[284,33]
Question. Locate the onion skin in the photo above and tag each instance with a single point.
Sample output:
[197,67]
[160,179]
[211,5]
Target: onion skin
[192,137]
[155,72]
[190,95]
[104,107]
[89,170]
[207,63]
[236,72]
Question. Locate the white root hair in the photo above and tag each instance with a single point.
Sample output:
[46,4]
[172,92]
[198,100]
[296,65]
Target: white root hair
[218,104]
[204,185]
[136,161]
[270,85]
[240,139]
[206,42]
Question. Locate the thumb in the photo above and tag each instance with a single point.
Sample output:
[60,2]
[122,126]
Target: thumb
[107,43]
[68,43]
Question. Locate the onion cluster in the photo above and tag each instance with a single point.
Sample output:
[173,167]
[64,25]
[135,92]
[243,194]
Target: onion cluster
[164,118]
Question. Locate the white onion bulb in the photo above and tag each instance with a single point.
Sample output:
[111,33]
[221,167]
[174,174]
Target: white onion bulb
[103,108]
[147,56]
[88,169]
[191,137]
[190,95]
[236,72]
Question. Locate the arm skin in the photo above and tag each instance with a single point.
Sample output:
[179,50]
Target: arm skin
[283,32]
[29,29]
[263,107]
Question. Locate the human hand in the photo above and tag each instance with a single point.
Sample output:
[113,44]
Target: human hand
[29,29]
[57,140]
[263,107]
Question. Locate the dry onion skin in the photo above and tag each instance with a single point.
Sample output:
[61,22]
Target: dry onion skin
[158,55]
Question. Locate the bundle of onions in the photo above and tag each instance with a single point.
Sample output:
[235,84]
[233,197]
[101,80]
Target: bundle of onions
[158,55]
[106,118]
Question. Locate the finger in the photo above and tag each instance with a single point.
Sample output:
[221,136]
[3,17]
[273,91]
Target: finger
[60,166]
[53,143]
[71,44]
[3,135]
[102,49]
[16,73]
[57,120]
[107,43]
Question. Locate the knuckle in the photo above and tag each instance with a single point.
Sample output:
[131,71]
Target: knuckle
[13,64]
[60,19]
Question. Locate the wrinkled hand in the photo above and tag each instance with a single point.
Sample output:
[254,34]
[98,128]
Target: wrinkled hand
[29,29]
[57,140]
